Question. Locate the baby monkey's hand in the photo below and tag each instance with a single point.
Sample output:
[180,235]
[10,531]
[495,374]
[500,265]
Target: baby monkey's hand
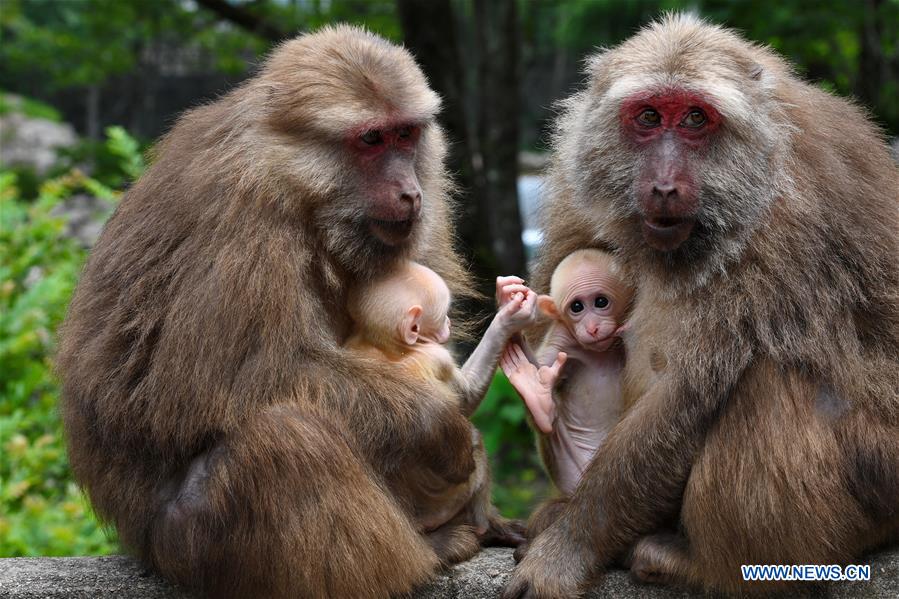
[517,304]
[534,385]
[506,287]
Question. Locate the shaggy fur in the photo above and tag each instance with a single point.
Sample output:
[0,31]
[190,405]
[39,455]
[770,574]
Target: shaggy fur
[771,434]
[212,415]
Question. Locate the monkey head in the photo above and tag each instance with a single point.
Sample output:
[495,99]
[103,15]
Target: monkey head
[358,141]
[407,307]
[589,298]
[672,150]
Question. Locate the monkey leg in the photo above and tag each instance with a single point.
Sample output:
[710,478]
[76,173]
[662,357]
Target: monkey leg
[284,507]
[773,482]
[539,521]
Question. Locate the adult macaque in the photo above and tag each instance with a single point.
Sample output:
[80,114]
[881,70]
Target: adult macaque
[761,218]
[402,320]
[212,414]
[582,358]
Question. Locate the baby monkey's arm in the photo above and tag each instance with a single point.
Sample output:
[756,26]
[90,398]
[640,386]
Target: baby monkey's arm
[517,313]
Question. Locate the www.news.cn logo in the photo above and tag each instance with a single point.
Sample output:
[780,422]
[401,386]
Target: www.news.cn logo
[806,572]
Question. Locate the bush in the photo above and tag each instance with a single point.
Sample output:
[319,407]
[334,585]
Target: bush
[518,479]
[41,510]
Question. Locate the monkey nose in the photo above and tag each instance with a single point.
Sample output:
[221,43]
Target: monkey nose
[413,199]
[666,191]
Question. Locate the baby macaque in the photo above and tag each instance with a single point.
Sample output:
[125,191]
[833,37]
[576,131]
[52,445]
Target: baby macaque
[402,320]
[572,387]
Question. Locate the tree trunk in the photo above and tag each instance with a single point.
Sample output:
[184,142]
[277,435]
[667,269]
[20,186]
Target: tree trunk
[437,51]
[499,90]
[872,65]
[92,125]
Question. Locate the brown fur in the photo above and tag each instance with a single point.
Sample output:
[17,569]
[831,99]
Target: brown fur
[212,415]
[771,425]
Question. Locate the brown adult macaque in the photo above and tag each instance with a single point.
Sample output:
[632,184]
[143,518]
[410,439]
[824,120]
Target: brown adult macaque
[573,390]
[402,321]
[212,414]
[760,216]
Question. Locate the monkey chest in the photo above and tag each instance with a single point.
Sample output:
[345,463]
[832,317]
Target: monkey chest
[648,352]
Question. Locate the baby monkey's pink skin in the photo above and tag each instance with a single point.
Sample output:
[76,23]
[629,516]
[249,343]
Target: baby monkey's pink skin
[572,387]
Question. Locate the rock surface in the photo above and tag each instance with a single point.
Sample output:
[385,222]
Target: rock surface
[31,142]
[480,578]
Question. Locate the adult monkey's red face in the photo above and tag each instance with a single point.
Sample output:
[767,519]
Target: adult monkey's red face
[669,128]
[385,155]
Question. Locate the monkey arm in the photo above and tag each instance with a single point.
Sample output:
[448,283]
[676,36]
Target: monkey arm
[473,379]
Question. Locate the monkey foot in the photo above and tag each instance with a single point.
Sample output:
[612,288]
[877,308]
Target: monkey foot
[660,559]
[502,532]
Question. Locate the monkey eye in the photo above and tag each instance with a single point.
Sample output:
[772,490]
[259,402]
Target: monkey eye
[601,301]
[371,138]
[577,306]
[649,118]
[694,119]
[404,132]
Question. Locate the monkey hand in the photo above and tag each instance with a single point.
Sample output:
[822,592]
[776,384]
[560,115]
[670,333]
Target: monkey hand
[506,287]
[534,385]
[554,567]
[518,313]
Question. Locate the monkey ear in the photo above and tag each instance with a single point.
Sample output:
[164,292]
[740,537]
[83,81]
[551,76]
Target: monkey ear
[546,305]
[410,328]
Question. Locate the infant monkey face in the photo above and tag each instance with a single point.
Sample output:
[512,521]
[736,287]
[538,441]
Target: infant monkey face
[593,312]
[593,322]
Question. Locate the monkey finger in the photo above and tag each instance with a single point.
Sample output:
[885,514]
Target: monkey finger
[519,354]
[508,290]
[505,363]
[530,302]
[502,282]
[508,280]
[561,358]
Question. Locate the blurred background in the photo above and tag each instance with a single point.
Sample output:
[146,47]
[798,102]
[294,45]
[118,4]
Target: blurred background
[86,86]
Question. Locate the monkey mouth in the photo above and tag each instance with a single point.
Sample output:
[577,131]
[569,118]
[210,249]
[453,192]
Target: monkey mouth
[392,232]
[598,345]
[667,233]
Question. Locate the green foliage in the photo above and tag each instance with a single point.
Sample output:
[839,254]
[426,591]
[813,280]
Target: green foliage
[41,510]
[518,479]
[115,162]
[30,108]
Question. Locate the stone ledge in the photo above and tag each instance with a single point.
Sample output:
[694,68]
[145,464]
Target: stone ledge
[480,578]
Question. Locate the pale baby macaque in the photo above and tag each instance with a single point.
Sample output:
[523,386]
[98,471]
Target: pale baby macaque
[402,320]
[572,386]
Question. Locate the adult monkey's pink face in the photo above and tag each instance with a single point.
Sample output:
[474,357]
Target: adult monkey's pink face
[669,128]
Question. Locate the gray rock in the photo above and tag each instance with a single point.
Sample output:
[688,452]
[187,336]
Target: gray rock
[84,215]
[32,142]
[480,578]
